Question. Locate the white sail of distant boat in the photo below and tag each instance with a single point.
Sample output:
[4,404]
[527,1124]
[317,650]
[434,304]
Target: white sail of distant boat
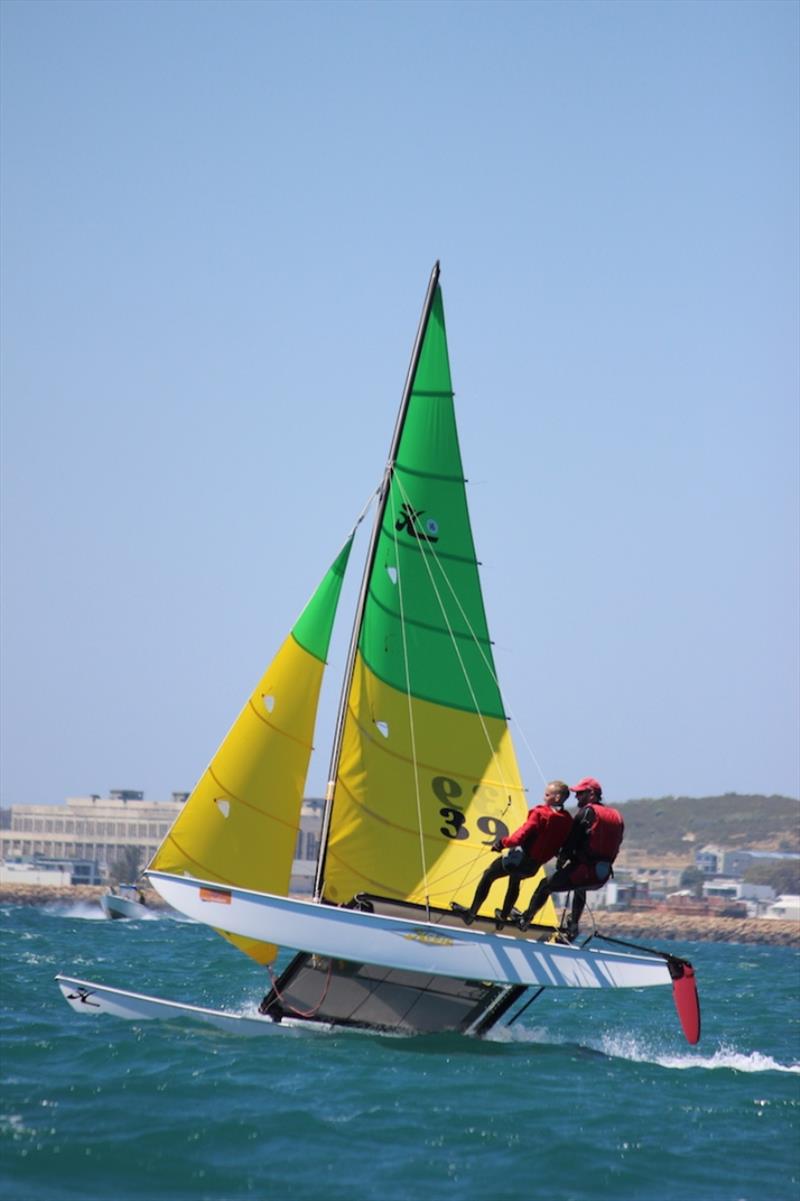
[423,778]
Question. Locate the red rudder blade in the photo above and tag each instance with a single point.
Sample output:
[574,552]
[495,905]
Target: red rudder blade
[687,1002]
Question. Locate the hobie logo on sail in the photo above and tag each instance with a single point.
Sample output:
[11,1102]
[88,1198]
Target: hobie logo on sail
[409,520]
[432,940]
[219,895]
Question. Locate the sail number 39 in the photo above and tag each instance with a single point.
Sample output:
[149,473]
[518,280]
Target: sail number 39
[448,790]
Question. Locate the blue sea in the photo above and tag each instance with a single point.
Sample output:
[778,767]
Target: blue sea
[590,1095]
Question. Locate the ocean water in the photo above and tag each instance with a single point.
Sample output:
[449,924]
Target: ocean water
[590,1095]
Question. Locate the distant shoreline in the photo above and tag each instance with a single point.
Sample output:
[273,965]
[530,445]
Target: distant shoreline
[676,927]
[662,924]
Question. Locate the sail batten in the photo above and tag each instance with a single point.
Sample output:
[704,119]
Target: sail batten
[437,769]
[419,546]
[276,729]
[429,475]
[468,635]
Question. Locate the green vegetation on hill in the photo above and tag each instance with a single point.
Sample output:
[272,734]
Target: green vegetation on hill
[781,874]
[682,825]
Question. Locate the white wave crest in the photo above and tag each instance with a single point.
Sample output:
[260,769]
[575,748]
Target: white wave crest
[85,910]
[728,1058]
[90,911]
[525,1034]
[626,1046]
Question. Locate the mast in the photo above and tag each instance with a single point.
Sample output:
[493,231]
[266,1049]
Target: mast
[362,599]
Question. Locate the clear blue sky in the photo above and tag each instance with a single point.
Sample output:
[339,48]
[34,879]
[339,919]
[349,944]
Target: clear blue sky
[218,222]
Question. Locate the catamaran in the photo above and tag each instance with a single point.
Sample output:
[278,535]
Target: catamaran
[423,778]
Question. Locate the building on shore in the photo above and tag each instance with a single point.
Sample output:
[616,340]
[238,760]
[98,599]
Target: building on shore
[784,908]
[94,828]
[721,861]
[88,835]
[47,873]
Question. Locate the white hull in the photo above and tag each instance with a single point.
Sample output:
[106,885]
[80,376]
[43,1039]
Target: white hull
[395,942]
[117,907]
[85,996]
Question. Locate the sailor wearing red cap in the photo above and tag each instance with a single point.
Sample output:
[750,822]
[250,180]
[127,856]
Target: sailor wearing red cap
[586,858]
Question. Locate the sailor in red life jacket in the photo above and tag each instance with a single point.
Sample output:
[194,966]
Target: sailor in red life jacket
[536,841]
[584,863]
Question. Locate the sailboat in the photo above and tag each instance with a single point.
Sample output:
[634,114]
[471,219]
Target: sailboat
[423,778]
[123,901]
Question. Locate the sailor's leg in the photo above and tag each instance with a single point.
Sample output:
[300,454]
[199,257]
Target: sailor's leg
[556,883]
[512,893]
[537,900]
[591,878]
[578,906]
[492,873]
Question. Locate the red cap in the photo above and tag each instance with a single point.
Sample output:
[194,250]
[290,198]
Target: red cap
[585,784]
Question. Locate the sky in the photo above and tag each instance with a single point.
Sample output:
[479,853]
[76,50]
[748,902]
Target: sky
[217,224]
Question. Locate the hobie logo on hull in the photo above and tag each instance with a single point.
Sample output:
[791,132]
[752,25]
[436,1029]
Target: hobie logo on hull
[215,894]
[431,940]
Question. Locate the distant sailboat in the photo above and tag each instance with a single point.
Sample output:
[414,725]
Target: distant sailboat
[124,901]
[423,777]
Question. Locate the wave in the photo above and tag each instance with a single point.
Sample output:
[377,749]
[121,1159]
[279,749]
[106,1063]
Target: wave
[638,1050]
[725,1057]
[85,910]
[90,911]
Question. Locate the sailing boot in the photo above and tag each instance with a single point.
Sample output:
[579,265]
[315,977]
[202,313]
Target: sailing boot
[525,920]
[570,929]
[501,918]
[466,915]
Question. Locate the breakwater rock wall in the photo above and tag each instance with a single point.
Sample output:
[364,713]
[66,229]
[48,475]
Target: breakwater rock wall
[692,928]
[638,927]
[48,894]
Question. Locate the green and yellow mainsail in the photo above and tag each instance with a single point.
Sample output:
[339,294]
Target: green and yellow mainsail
[239,826]
[425,775]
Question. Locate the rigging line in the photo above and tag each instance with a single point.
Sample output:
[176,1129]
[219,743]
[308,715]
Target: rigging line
[301,1013]
[490,668]
[465,868]
[487,662]
[635,946]
[438,884]
[432,881]
[526,744]
[423,860]
[490,745]
[369,564]
[487,736]
[372,496]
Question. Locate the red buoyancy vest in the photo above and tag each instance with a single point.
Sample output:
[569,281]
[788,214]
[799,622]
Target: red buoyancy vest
[605,836]
[542,834]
